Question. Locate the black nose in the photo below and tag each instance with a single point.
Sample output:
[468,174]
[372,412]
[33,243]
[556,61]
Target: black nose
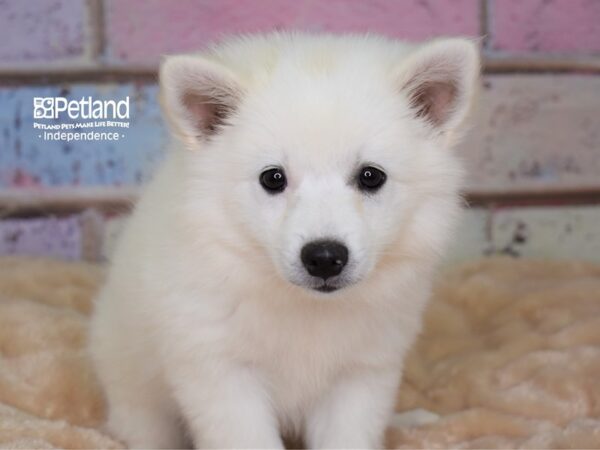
[324,259]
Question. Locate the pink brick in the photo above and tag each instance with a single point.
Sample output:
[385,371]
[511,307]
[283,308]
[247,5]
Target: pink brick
[140,31]
[545,25]
[33,31]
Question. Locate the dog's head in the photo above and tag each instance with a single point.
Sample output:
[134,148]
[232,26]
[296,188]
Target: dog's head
[332,155]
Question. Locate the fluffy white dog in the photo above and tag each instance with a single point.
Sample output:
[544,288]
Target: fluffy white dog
[274,273]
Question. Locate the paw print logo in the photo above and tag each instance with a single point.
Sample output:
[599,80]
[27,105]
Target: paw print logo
[43,108]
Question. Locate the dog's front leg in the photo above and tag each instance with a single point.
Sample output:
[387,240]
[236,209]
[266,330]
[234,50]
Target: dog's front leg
[227,408]
[355,413]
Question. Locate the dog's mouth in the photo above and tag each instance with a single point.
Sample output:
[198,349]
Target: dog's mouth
[332,285]
[326,288]
[315,284]
[323,286]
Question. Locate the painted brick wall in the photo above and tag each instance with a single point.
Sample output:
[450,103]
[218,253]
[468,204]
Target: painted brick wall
[545,26]
[26,160]
[139,31]
[534,132]
[44,31]
[62,35]
[51,237]
[513,145]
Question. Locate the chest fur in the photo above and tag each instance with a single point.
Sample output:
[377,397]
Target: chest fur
[300,352]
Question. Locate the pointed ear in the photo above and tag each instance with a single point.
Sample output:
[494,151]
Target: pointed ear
[439,81]
[197,96]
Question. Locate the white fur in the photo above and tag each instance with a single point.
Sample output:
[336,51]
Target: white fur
[207,318]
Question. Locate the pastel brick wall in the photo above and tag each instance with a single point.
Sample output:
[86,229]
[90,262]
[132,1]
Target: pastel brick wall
[513,144]
[556,26]
[560,232]
[43,31]
[54,237]
[139,31]
[27,160]
[533,132]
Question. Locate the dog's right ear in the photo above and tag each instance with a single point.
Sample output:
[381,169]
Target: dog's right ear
[197,96]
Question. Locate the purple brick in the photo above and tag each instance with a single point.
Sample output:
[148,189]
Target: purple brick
[52,237]
[545,25]
[37,31]
[139,31]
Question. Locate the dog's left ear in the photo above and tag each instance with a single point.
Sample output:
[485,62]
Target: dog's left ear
[197,96]
[439,80]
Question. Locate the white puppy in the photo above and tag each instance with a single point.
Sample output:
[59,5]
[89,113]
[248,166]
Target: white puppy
[274,273]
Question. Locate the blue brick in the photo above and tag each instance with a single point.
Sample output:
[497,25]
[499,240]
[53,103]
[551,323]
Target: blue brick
[27,160]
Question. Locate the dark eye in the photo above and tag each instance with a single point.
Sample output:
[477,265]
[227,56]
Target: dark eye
[273,180]
[371,178]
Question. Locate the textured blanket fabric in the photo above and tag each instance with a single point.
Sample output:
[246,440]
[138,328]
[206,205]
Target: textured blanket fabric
[510,357]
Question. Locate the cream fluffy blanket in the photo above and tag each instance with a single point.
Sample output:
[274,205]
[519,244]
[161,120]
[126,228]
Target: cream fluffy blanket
[510,357]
